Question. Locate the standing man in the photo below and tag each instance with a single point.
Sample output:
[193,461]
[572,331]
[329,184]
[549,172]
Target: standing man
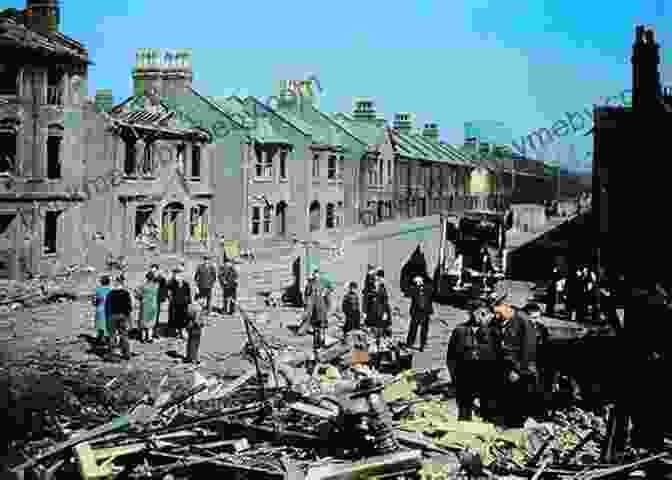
[205,278]
[316,311]
[516,343]
[180,299]
[553,292]
[120,309]
[421,309]
[369,295]
[545,375]
[382,311]
[471,360]
[351,310]
[228,280]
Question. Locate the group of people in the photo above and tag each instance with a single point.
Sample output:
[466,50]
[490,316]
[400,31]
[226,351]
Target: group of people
[576,289]
[377,312]
[492,358]
[187,311]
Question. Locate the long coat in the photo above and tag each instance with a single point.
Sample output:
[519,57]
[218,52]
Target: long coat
[102,311]
[369,298]
[316,308]
[421,301]
[381,307]
[181,298]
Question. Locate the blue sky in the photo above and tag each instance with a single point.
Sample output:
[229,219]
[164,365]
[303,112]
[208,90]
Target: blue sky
[524,63]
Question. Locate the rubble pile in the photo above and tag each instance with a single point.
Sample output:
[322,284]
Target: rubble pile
[14,293]
[292,416]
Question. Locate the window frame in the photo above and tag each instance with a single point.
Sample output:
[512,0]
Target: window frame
[267,220]
[332,168]
[12,166]
[255,220]
[330,216]
[282,164]
[47,249]
[316,166]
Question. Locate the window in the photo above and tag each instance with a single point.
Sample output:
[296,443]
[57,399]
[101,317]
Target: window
[9,75]
[147,161]
[50,232]
[389,171]
[283,163]
[331,167]
[267,218]
[256,220]
[341,168]
[330,217]
[199,223]
[53,157]
[129,160]
[7,151]
[143,215]
[196,161]
[316,165]
[54,87]
[381,168]
[264,164]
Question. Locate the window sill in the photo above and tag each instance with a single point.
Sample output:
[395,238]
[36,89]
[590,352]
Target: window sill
[50,255]
[263,180]
[35,180]
[195,179]
[284,180]
[53,180]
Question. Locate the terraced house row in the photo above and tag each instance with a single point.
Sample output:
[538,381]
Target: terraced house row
[175,169]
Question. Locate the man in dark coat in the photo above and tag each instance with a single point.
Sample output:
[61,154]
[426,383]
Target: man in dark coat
[351,309]
[382,313]
[120,309]
[516,343]
[471,360]
[546,377]
[369,296]
[205,278]
[180,298]
[316,310]
[553,291]
[420,311]
[228,280]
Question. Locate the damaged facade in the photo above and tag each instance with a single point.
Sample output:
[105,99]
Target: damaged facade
[43,80]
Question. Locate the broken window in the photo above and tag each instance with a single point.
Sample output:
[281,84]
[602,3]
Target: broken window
[196,161]
[50,232]
[9,76]
[5,222]
[129,159]
[199,223]
[143,220]
[7,151]
[54,157]
[54,87]
[256,220]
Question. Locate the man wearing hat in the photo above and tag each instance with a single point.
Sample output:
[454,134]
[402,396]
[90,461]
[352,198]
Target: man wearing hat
[421,310]
[180,299]
[516,342]
[369,295]
[472,362]
[205,278]
[316,310]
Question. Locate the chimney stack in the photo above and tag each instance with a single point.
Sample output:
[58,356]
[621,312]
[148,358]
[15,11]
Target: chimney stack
[364,110]
[43,16]
[431,132]
[168,72]
[104,100]
[403,123]
[646,88]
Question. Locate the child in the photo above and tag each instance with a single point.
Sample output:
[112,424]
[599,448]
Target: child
[351,310]
[195,324]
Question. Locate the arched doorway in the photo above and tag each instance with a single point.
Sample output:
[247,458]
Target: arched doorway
[281,218]
[314,213]
[172,227]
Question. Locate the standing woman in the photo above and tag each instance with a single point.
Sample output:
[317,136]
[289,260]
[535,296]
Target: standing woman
[180,299]
[149,307]
[103,324]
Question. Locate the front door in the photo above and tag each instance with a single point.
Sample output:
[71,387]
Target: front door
[173,228]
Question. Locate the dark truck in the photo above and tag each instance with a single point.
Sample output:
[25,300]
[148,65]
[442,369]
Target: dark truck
[468,235]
